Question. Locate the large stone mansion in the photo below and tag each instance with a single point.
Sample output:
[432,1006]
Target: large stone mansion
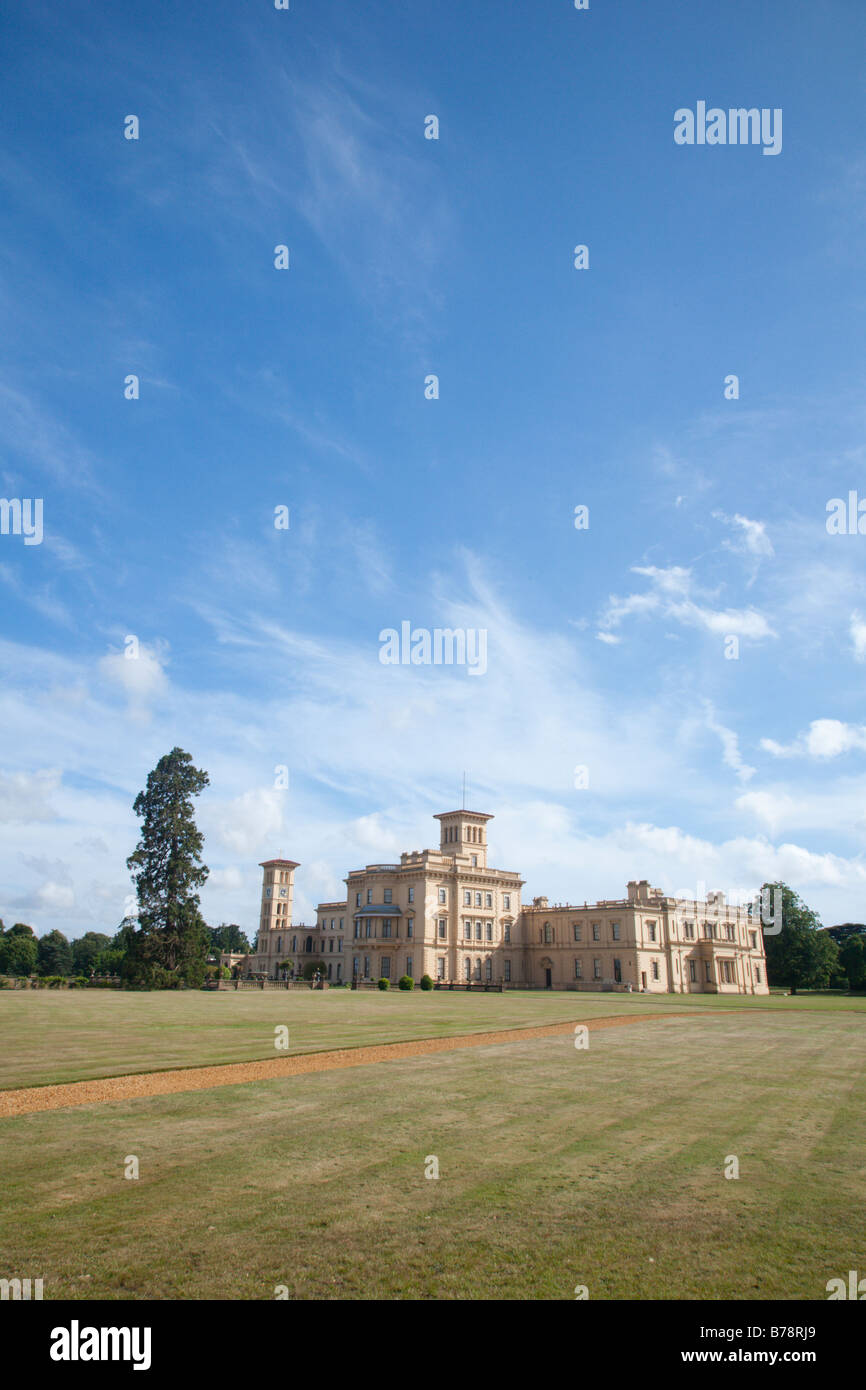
[447,914]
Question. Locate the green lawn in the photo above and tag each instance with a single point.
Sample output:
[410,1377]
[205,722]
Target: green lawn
[558,1167]
[72,1035]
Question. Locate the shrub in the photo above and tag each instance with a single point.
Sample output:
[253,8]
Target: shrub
[426,982]
[384,984]
[406,982]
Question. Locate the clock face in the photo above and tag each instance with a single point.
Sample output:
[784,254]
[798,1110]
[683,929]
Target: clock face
[283,892]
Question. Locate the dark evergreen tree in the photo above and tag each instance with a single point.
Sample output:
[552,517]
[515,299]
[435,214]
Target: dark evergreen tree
[852,958]
[54,954]
[85,950]
[18,951]
[228,937]
[171,942]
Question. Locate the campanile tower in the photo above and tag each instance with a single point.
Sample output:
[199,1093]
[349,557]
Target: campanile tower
[278,887]
[465,833]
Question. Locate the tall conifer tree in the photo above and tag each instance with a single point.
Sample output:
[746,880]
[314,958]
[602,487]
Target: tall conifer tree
[170,946]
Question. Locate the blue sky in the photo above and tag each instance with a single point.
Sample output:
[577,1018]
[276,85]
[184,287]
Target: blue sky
[304,388]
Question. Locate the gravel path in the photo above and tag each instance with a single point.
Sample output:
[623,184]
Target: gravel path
[163,1083]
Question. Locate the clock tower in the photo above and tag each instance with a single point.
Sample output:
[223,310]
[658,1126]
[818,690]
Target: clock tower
[278,886]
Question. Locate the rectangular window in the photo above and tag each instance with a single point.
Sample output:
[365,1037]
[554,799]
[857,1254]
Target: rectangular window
[475,861]
[578,970]
[369,895]
[488,899]
[442,929]
[356,965]
[508,932]
[729,932]
[578,930]
[488,969]
[410,929]
[387,896]
[489,931]
[758,974]
[340,944]
[330,943]
[357,930]
[440,968]
[357,899]
[693,974]
[655,969]
[477,931]
[690,931]
[341,924]
[709,970]
[467,931]
[614,927]
[596,969]
[409,967]
[467,898]
[506,901]
[442,897]
[368,926]
[753,937]
[386,967]
[617,971]
[596,931]
[411,895]
[651,929]
[386,927]
[366,967]
[477,899]
[507,967]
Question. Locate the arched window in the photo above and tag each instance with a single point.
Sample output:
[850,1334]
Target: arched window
[309,945]
[488,969]
[467,965]
[294,943]
[478,969]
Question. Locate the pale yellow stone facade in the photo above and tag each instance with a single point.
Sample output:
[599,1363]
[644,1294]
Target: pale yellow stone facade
[446,913]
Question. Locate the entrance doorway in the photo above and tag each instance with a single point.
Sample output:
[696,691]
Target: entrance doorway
[643,979]
[548,981]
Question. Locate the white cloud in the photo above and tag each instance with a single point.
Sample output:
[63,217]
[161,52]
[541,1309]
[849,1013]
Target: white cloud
[141,677]
[857,630]
[752,535]
[730,745]
[251,820]
[670,596]
[25,796]
[825,738]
